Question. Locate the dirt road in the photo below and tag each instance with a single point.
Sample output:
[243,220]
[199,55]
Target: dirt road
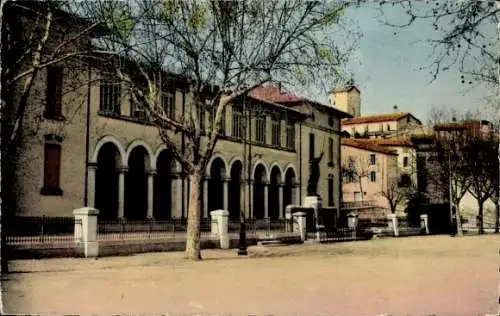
[418,276]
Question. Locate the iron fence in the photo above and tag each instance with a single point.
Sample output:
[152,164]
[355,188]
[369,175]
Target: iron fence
[41,232]
[145,230]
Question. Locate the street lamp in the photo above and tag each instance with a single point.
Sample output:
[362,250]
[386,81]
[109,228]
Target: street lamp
[242,243]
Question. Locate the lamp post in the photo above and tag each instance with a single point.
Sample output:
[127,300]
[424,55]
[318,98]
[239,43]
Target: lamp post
[242,243]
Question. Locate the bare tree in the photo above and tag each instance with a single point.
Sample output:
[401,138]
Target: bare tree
[483,165]
[395,193]
[465,35]
[223,49]
[355,169]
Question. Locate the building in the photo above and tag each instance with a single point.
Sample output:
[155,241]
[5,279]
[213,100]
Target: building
[379,126]
[368,170]
[89,144]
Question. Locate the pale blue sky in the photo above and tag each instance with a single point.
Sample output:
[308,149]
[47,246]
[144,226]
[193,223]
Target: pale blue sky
[388,72]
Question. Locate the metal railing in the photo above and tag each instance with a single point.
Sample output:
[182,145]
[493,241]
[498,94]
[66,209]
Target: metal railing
[40,232]
[145,230]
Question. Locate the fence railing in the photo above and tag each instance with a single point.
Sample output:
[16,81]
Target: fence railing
[356,204]
[125,230]
[40,232]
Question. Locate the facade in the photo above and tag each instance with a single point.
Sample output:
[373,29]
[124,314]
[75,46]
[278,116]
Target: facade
[85,142]
[368,171]
[379,126]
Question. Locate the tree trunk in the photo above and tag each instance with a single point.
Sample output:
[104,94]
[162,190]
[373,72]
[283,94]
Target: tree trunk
[194,215]
[458,220]
[497,217]
[481,221]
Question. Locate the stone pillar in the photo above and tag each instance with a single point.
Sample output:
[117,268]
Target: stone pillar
[352,223]
[226,194]
[220,226]
[251,198]
[205,197]
[280,195]
[151,177]
[299,220]
[121,192]
[393,223]
[91,168]
[424,223]
[176,195]
[294,194]
[266,199]
[86,231]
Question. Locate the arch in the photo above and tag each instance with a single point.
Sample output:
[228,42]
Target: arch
[234,160]
[209,165]
[273,166]
[273,200]
[106,181]
[255,164]
[162,188]
[176,166]
[136,143]
[258,199]
[109,139]
[289,167]
[235,189]
[216,184]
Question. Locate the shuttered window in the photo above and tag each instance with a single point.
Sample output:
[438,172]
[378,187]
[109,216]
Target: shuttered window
[52,166]
[53,108]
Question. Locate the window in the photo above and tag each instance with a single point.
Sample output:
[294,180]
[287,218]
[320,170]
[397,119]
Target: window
[213,111]
[381,127]
[290,136]
[330,151]
[110,95]
[405,180]
[52,165]
[260,129]
[311,146]
[373,176]
[53,108]
[330,121]
[237,123]
[275,131]
[201,118]
[168,104]
[330,190]
[388,127]
[358,197]
[137,109]
[372,159]
[405,161]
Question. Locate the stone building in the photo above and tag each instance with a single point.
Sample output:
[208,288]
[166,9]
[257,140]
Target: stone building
[84,142]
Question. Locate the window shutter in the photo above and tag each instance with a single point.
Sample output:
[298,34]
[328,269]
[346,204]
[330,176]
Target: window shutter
[52,166]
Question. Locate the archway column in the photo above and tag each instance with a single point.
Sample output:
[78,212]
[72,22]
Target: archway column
[226,194]
[91,169]
[280,194]
[176,195]
[266,199]
[151,175]
[121,192]
[205,197]
[250,198]
[294,194]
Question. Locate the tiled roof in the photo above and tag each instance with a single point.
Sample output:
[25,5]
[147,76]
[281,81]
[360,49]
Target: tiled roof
[463,125]
[367,146]
[273,93]
[344,89]
[376,118]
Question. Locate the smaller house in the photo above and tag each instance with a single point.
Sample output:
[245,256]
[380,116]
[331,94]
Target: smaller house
[379,126]
[368,170]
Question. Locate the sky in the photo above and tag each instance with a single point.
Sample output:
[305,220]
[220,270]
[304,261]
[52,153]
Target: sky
[390,70]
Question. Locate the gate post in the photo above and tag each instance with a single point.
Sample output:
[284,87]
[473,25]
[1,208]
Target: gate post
[393,223]
[424,223]
[221,218]
[300,219]
[86,232]
[352,222]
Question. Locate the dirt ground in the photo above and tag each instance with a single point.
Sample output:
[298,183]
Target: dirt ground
[437,275]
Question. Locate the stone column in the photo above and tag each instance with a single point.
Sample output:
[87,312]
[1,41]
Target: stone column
[266,199]
[280,196]
[251,198]
[299,220]
[151,177]
[393,223]
[226,194]
[220,227]
[424,223]
[92,168]
[205,197]
[352,223]
[86,231]
[121,192]
[294,194]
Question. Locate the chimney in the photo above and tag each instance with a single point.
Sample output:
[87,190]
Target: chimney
[395,108]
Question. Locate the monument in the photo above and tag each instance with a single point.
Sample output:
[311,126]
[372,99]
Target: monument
[313,200]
